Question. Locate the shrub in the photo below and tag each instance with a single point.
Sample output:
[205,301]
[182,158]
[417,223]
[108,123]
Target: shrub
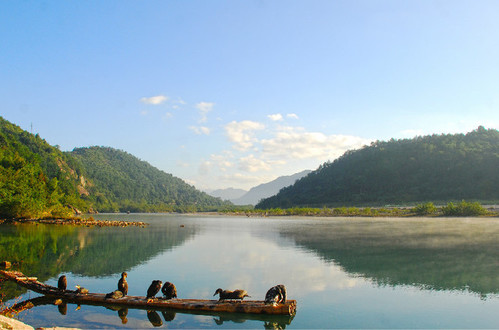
[425,209]
[464,209]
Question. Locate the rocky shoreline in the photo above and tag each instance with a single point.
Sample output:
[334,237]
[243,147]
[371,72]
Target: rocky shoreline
[89,222]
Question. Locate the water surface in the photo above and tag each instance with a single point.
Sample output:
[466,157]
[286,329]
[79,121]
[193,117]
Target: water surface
[344,272]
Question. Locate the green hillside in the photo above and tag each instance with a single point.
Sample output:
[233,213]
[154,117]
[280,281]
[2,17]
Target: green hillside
[435,168]
[36,179]
[122,182]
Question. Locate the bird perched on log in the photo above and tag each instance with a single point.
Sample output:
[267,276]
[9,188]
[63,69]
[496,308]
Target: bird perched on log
[62,284]
[114,295]
[169,290]
[276,294]
[226,294]
[81,290]
[123,284]
[153,289]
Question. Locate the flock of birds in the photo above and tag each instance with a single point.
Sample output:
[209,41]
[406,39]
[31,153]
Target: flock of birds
[275,295]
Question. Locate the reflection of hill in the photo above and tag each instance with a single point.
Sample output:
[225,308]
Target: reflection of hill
[47,250]
[441,256]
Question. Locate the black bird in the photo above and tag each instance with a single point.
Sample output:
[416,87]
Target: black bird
[62,284]
[169,290]
[81,290]
[276,294]
[114,295]
[123,284]
[226,294]
[154,289]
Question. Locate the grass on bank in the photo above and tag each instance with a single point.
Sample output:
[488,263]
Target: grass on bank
[461,209]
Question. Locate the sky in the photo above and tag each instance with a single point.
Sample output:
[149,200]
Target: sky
[237,93]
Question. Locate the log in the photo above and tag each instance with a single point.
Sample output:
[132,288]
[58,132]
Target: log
[247,306]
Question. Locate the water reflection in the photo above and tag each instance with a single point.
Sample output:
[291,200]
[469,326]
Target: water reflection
[440,254]
[154,317]
[48,250]
[328,265]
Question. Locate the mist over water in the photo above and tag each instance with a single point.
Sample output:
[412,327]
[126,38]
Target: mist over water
[343,272]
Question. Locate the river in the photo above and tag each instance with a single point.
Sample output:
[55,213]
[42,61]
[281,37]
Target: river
[343,272]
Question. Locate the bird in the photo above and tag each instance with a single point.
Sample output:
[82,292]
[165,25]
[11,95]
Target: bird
[123,284]
[169,290]
[62,284]
[276,294]
[81,290]
[226,294]
[153,289]
[114,295]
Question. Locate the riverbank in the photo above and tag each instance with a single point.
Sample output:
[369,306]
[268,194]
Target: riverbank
[88,222]
[461,209]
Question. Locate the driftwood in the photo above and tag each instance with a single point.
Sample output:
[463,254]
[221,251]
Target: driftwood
[248,306]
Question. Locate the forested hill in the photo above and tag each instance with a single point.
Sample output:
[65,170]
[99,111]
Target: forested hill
[36,179]
[436,168]
[124,182]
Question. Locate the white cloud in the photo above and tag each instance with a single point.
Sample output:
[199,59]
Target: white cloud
[292,115]
[204,108]
[200,130]
[295,143]
[253,164]
[242,133]
[154,100]
[276,117]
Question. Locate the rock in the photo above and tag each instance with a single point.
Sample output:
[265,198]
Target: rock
[8,323]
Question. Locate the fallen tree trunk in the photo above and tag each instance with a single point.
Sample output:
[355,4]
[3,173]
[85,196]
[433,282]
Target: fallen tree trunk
[248,306]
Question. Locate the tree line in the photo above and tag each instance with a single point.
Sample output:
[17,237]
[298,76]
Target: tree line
[38,180]
[439,168]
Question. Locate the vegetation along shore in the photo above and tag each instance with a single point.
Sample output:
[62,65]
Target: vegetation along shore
[75,221]
[461,209]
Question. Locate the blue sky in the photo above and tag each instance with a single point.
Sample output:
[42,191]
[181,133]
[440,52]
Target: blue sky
[236,93]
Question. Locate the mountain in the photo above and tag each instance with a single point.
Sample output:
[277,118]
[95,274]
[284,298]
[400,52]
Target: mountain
[38,180]
[122,182]
[255,194]
[227,194]
[435,168]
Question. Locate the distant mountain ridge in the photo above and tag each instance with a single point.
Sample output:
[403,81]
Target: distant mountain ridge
[434,168]
[255,194]
[227,194]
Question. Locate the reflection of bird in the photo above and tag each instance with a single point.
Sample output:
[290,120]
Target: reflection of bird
[123,284]
[122,313]
[154,289]
[222,319]
[169,290]
[276,294]
[169,315]
[81,290]
[154,318]
[226,294]
[62,284]
[63,308]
